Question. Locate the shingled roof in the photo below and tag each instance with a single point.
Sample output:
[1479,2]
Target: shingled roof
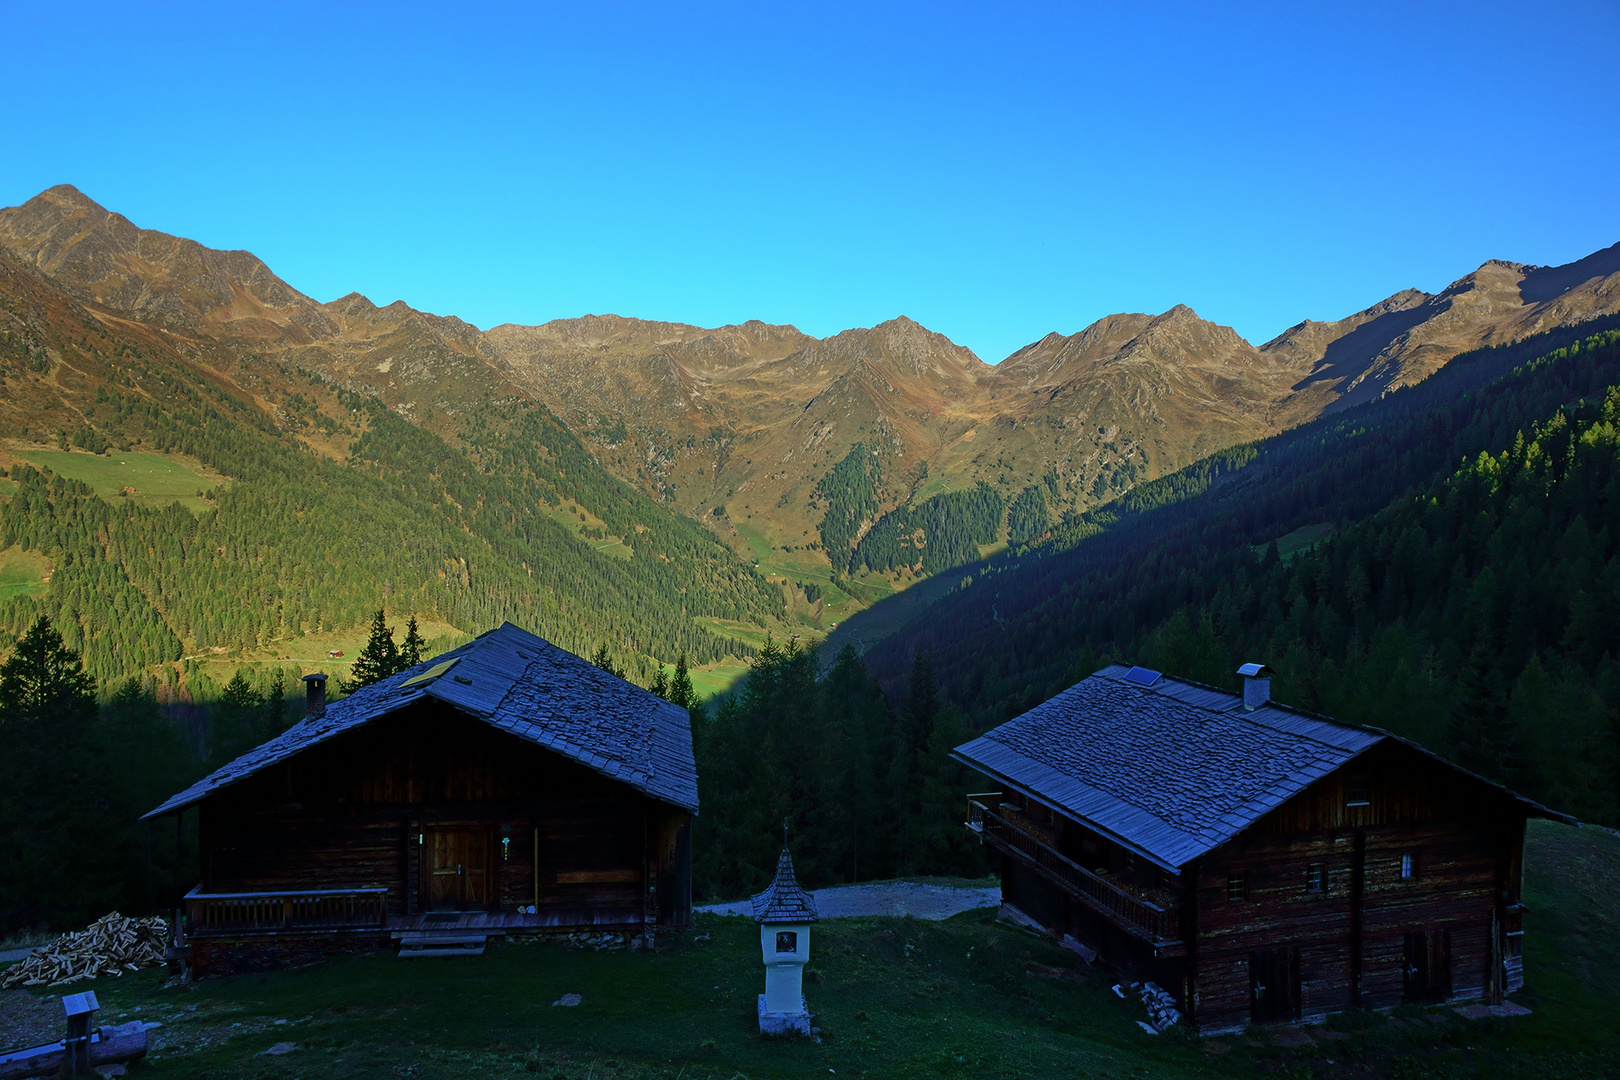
[784,900]
[1171,769]
[521,684]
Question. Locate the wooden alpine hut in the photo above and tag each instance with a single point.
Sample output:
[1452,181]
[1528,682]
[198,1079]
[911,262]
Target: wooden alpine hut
[1259,863]
[505,787]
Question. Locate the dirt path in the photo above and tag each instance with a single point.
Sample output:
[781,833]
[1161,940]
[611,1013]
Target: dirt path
[886,898]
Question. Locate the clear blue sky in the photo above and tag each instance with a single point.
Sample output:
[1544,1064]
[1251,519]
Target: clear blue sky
[995,171]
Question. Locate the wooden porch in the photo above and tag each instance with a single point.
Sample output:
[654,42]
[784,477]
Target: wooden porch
[1153,924]
[303,911]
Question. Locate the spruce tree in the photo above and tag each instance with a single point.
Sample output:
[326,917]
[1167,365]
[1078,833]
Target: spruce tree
[378,660]
[660,683]
[921,706]
[275,703]
[410,652]
[237,724]
[604,660]
[680,687]
[56,864]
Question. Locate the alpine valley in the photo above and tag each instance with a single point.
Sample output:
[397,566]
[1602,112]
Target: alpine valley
[208,467]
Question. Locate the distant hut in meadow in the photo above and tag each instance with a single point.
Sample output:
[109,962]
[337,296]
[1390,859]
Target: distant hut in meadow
[1260,864]
[505,787]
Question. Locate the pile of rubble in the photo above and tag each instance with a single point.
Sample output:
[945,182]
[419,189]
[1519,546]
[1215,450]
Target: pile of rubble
[111,945]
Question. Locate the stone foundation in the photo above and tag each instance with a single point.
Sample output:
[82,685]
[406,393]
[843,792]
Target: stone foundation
[784,1023]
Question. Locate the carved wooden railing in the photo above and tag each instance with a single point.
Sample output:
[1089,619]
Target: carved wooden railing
[1137,916]
[303,909]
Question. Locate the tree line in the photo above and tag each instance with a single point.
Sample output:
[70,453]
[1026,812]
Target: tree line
[866,792]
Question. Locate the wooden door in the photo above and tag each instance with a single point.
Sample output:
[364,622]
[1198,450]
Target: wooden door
[1274,985]
[457,869]
[1428,967]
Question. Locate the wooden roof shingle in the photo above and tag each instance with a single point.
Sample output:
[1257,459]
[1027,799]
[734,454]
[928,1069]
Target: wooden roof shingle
[521,684]
[1169,768]
[785,900]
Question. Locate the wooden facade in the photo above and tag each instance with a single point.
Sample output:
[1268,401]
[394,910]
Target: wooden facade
[422,814]
[448,814]
[1393,878]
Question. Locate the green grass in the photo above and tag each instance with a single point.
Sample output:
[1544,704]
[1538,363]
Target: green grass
[569,518]
[22,573]
[894,998]
[158,479]
[1301,540]
[715,679]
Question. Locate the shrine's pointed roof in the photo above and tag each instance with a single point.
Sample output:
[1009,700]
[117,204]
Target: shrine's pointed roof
[785,900]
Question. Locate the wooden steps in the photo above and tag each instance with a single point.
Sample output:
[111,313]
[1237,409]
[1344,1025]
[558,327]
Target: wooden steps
[414,943]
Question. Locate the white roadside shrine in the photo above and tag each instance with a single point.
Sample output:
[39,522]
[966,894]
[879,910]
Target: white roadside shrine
[784,912]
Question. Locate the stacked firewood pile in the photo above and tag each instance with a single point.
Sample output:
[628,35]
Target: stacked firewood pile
[111,945]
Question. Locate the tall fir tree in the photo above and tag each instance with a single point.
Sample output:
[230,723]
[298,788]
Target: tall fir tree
[680,686]
[237,724]
[378,660]
[410,650]
[56,862]
[921,705]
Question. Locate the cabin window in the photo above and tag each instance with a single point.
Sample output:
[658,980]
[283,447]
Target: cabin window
[1408,867]
[1358,792]
[1316,879]
[1237,886]
[787,941]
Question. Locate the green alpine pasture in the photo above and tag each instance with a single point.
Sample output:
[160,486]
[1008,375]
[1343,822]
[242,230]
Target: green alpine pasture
[149,479]
[22,573]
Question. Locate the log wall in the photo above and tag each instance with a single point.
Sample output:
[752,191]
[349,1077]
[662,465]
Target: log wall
[360,809]
[1323,877]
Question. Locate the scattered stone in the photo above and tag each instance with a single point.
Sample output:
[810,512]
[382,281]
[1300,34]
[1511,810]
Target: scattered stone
[1119,991]
[568,1000]
[599,942]
[1479,1012]
[278,1049]
[1147,1027]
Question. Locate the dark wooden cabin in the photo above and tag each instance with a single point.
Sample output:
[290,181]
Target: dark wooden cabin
[505,787]
[1259,863]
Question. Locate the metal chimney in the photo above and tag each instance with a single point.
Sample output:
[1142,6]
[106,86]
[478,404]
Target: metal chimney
[315,696]
[1256,685]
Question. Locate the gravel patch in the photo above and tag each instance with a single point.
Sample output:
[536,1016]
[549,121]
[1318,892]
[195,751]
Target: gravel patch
[26,1020]
[898,898]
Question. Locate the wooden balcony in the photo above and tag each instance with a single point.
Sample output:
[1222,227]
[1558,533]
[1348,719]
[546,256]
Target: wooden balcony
[1155,925]
[270,912]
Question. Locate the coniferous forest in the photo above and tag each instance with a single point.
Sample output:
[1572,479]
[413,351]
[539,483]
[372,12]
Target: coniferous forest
[1440,564]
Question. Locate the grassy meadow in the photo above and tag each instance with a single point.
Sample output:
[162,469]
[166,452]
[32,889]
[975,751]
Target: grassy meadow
[22,573]
[967,997]
[157,479]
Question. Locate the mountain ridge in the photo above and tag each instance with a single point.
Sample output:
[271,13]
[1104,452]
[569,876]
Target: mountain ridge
[737,425]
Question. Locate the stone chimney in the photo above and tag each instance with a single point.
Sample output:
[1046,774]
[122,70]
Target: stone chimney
[315,696]
[1256,685]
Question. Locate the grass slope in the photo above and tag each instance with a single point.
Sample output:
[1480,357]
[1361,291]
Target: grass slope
[894,998]
[22,573]
[157,479]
